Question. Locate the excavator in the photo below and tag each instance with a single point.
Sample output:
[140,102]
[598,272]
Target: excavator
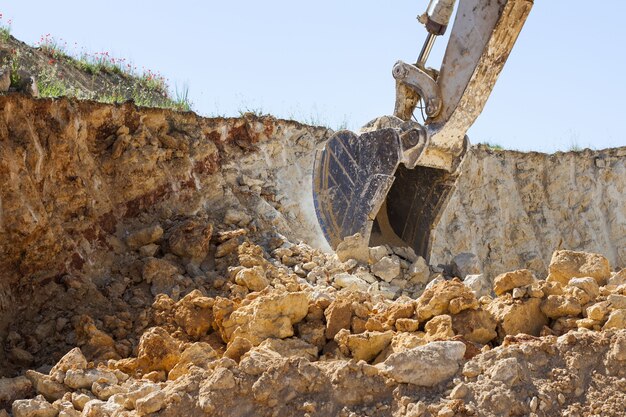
[390,183]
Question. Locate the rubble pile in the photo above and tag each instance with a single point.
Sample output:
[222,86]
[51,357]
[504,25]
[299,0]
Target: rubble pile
[295,331]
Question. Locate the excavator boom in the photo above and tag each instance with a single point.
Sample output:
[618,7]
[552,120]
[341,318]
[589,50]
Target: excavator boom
[390,183]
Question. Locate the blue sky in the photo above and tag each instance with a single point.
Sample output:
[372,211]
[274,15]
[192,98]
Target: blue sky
[329,62]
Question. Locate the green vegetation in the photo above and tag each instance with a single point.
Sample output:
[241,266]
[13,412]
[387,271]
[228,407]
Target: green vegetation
[493,146]
[5,28]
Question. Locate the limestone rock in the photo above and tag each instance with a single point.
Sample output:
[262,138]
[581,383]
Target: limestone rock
[587,284]
[465,264]
[271,315]
[446,296]
[619,278]
[556,306]
[515,317]
[350,282]
[190,239]
[13,388]
[479,284]
[79,378]
[616,301]
[144,237]
[292,347]
[427,365]
[598,311]
[198,354]
[439,327]
[419,272]
[160,273]
[252,278]
[157,351]
[377,253]
[74,359]
[151,403]
[387,268]
[367,345]
[338,316]
[194,314]
[510,280]
[566,264]
[353,247]
[45,385]
[36,407]
[477,326]
[616,320]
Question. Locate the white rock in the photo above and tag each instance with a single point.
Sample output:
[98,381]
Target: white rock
[588,285]
[78,378]
[377,253]
[36,407]
[406,253]
[350,282]
[387,268]
[426,365]
[419,272]
[479,284]
[151,403]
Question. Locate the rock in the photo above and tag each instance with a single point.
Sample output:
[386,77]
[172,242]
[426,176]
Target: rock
[566,264]
[367,345]
[198,354]
[515,317]
[157,351]
[160,273]
[508,371]
[407,325]
[74,359]
[190,239]
[387,268]
[144,237]
[439,328]
[350,282]
[446,296]
[237,348]
[616,301]
[36,407]
[237,217]
[148,251]
[271,315]
[406,252]
[151,403]
[459,392]
[98,408]
[353,247]
[479,284]
[252,278]
[229,246]
[555,306]
[45,385]
[105,391]
[619,278]
[588,285]
[427,365]
[291,348]
[13,388]
[79,378]
[477,326]
[194,314]
[598,311]
[419,272]
[465,264]
[616,320]
[377,253]
[338,316]
[510,280]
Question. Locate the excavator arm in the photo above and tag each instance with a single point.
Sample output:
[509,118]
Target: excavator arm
[390,183]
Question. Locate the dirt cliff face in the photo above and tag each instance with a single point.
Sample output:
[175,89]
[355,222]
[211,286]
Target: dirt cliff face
[77,176]
[514,209]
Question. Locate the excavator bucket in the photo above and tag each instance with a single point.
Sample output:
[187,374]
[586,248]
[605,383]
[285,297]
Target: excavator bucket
[385,184]
[360,186]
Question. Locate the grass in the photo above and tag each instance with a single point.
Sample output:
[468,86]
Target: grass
[493,146]
[5,28]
